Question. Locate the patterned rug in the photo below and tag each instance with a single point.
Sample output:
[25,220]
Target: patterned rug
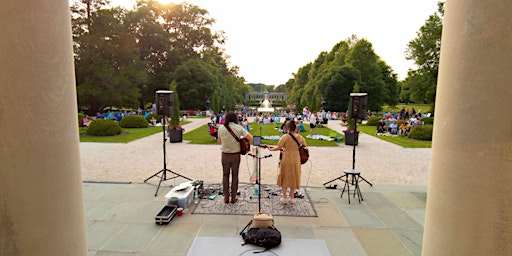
[247,203]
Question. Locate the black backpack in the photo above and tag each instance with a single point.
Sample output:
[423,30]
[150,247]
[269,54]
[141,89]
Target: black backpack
[268,237]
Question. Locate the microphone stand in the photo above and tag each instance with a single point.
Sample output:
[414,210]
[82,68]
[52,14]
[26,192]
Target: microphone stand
[258,182]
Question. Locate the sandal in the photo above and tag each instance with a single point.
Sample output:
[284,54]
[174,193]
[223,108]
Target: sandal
[283,200]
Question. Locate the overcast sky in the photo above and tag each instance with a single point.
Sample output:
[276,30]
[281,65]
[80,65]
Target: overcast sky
[270,40]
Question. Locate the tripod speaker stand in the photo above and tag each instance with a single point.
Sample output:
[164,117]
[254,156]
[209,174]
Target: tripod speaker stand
[358,102]
[164,100]
[355,175]
[162,174]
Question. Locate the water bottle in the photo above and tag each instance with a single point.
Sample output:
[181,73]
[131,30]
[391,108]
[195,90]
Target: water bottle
[196,195]
[256,189]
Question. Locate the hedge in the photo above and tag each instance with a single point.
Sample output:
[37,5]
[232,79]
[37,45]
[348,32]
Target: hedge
[103,127]
[421,132]
[133,121]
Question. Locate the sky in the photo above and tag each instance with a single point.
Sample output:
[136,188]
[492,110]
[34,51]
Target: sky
[269,40]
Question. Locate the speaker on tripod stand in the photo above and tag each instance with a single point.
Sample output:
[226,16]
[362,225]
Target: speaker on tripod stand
[164,107]
[358,107]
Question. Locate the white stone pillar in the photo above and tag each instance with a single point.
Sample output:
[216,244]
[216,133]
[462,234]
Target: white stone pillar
[469,202]
[41,201]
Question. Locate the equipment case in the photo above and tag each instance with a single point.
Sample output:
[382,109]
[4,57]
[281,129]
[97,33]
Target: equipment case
[166,214]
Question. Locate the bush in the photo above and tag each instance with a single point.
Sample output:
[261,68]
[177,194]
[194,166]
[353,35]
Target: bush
[103,127]
[373,120]
[421,132]
[427,120]
[133,121]
[80,117]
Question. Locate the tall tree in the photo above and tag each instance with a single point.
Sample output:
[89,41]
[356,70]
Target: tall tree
[195,82]
[391,86]
[425,50]
[108,70]
[339,83]
[363,58]
[351,66]
[168,36]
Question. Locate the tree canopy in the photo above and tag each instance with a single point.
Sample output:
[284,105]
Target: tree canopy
[351,66]
[123,56]
[421,83]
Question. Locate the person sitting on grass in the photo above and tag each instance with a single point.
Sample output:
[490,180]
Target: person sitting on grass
[381,126]
[152,121]
[404,129]
[86,121]
[300,127]
[393,128]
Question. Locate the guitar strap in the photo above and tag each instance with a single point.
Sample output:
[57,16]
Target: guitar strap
[295,139]
[232,133]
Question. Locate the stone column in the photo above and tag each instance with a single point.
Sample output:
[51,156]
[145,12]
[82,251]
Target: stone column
[469,206]
[41,201]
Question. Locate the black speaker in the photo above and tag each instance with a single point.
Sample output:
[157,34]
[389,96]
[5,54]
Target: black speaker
[358,105]
[164,102]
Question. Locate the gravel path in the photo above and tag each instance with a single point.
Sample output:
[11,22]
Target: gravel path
[380,162]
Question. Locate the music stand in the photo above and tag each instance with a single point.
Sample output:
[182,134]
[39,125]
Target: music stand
[163,172]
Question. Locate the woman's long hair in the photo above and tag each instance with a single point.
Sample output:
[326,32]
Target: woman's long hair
[291,126]
[230,118]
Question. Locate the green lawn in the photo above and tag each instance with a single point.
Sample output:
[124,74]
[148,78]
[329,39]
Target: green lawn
[127,134]
[425,108]
[398,140]
[201,135]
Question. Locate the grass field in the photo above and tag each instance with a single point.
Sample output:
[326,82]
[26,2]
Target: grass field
[201,135]
[398,140]
[127,134]
[425,108]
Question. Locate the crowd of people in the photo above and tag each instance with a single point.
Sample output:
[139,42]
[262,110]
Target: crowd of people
[225,126]
[408,119]
[114,115]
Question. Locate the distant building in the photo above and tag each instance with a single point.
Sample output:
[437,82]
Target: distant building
[274,97]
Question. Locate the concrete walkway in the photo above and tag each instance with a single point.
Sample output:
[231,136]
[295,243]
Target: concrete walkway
[120,212]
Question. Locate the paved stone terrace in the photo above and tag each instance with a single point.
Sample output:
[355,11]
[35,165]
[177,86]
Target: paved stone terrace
[120,207]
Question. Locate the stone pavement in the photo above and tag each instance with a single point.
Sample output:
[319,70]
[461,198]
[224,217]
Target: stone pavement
[120,221]
[120,211]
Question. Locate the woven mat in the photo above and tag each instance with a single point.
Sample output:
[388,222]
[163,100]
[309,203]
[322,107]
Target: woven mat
[248,203]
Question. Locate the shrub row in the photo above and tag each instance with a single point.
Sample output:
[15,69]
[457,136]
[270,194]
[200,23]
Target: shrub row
[103,127]
[133,121]
[373,120]
[421,132]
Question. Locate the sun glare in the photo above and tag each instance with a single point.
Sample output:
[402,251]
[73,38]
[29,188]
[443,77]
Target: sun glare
[165,1]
